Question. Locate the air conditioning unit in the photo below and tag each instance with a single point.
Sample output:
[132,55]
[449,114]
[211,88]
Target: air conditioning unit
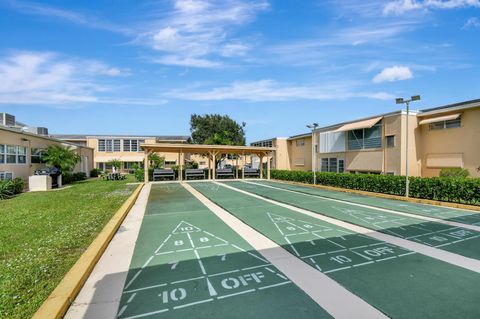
[42,131]
[7,119]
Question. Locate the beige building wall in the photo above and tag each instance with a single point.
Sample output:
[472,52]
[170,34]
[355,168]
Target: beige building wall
[32,141]
[452,147]
[300,153]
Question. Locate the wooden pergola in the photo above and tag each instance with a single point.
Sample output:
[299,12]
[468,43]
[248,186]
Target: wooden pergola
[211,151]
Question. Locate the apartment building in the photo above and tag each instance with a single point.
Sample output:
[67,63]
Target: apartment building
[22,146]
[125,148]
[440,137]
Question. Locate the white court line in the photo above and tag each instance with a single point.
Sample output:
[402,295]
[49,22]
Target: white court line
[236,294]
[146,314]
[144,288]
[131,297]
[163,243]
[275,285]
[122,310]
[186,280]
[337,269]
[326,292]
[193,303]
[443,255]
[200,262]
[431,219]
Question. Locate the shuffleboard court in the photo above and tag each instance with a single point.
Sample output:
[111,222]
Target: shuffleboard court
[399,282]
[458,215]
[188,264]
[457,240]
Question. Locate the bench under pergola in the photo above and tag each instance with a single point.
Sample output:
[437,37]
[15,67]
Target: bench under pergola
[210,151]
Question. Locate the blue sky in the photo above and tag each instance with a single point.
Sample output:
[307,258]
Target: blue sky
[142,67]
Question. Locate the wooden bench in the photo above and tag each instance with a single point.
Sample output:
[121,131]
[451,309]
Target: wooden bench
[251,172]
[225,172]
[193,172]
[163,173]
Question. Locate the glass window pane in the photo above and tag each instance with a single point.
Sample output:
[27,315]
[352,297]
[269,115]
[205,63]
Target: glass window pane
[22,159]
[22,150]
[341,166]
[116,145]
[355,139]
[11,159]
[373,137]
[333,165]
[11,149]
[2,159]
[101,145]
[126,145]
[2,149]
[453,123]
[324,165]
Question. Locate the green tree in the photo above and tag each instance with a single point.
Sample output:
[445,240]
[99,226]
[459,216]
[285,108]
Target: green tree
[216,129]
[115,163]
[156,161]
[63,158]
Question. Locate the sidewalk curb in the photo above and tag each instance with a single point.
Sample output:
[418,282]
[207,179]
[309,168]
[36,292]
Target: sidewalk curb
[57,304]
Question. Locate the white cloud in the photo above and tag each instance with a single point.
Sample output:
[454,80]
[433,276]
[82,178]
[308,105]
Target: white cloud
[473,22]
[198,30]
[48,78]
[87,20]
[402,6]
[269,90]
[392,74]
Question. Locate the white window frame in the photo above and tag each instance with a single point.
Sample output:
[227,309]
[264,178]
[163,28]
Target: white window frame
[328,161]
[3,176]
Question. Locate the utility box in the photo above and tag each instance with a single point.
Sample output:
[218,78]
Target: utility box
[39,183]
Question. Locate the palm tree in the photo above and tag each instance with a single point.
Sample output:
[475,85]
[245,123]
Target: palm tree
[63,158]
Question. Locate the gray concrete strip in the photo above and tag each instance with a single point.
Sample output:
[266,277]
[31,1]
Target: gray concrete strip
[327,293]
[100,296]
[454,259]
[422,217]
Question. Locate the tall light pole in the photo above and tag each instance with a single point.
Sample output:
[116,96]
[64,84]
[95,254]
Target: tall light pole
[313,126]
[407,103]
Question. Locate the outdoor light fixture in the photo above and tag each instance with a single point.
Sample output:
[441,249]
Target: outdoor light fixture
[313,127]
[407,103]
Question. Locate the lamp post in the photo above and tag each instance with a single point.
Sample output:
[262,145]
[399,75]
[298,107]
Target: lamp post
[407,103]
[313,126]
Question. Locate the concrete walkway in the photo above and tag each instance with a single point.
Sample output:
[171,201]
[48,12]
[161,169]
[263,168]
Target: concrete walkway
[100,296]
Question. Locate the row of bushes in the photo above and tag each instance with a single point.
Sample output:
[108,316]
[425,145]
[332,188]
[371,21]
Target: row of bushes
[68,178]
[457,190]
[9,188]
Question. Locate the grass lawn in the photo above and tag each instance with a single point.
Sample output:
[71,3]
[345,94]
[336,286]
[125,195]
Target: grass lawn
[43,234]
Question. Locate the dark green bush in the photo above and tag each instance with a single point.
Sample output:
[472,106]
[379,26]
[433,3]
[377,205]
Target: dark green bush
[454,172]
[465,191]
[9,188]
[68,178]
[94,172]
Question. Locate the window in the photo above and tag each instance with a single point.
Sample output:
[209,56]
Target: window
[6,175]
[332,164]
[341,165]
[262,144]
[126,145]
[390,141]
[324,165]
[170,162]
[11,154]
[116,146]
[101,145]
[331,142]
[300,143]
[446,124]
[2,154]
[365,138]
[132,145]
[36,156]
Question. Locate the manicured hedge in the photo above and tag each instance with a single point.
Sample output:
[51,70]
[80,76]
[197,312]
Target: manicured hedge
[457,190]
[9,188]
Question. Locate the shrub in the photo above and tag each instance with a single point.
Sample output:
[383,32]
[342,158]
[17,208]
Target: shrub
[94,172]
[454,172]
[68,178]
[140,174]
[466,191]
[9,188]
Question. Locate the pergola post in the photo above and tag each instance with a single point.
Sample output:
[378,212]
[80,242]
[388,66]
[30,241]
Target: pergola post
[261,166]
[209,166]
[243,167]
[214,165]
[180,173]
[236,166]
[146,165]
[268,166]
